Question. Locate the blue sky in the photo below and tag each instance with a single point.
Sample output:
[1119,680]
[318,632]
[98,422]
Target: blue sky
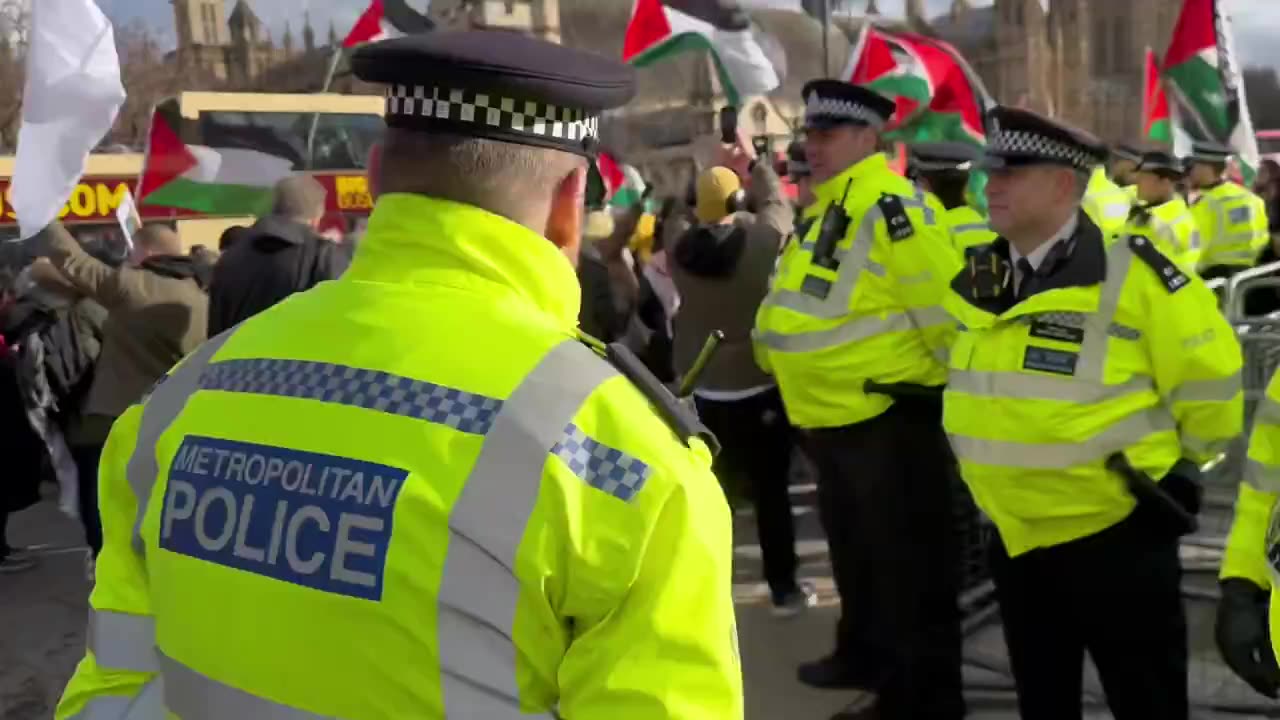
[1257,22]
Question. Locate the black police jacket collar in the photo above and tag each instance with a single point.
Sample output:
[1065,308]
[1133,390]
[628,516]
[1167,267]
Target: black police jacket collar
[1081,262]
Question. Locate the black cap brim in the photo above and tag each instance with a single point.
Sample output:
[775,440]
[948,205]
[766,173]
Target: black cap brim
[1002,161]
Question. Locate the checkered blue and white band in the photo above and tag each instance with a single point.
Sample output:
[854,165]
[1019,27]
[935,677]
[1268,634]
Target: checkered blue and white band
[835,109]
[1022,142]
[570,126]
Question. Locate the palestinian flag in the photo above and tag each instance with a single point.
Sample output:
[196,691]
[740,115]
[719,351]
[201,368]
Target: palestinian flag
[386,19]
[1202,76]
[660,28]
[1155,106]
[939,97]
[213,180]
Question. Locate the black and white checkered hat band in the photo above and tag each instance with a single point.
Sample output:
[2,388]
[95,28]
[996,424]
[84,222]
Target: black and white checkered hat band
[833,109]
[569,126]
[1021,142]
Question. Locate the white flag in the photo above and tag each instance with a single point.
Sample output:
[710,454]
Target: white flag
[72,95]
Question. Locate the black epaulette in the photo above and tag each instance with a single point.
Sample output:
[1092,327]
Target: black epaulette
[1169,274]
[895,217]
[1140,214]
[679,417]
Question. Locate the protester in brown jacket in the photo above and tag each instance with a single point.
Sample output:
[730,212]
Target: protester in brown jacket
[156,308]
[721,270]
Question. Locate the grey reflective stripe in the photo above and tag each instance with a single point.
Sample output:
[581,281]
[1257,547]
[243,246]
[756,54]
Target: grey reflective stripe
[162,408]
[1061,456]
[1093,347]
[1268,412]
[971,227]
[1216,390]
[1116,210]
[123,641]
[930,316]
[1196,446]
[1262,477]
[854,329]
[147,704]
[919,202]
[193,696]
[852,262]
[479,589]
[838,254]
[1021,386]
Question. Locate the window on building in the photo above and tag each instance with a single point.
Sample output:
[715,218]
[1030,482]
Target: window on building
[1017,12]
[1120,60]
[1100,39]
[208,19]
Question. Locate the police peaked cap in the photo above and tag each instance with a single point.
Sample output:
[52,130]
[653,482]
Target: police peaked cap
[1160,163]
[1210,152]
[497,85]
[828,103]
[1125,151]
[1018,137]
[944,156]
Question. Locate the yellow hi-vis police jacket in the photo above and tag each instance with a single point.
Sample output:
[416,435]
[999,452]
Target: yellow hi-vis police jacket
[1233,225]
[1253,546]
[876,316]
[970,232]
[410,493]
[1172,227]
[1117,350]
[1106,203]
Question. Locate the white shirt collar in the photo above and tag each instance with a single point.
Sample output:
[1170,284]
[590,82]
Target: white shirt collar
[1037,256]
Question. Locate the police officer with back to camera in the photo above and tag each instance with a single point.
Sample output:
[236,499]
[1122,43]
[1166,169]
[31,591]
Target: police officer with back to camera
[943,168]
[1089,381]
[854,334]
[1161,213]
[1232,219]
[412,491]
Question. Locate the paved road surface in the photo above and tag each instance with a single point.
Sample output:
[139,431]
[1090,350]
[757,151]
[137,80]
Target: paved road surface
[42,617]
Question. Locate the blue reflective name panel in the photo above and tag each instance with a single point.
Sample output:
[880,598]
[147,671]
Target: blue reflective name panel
[320,521]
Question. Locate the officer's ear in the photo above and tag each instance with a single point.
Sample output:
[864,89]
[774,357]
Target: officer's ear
[564,221]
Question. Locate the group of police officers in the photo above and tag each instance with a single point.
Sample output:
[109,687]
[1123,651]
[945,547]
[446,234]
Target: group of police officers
[464,509]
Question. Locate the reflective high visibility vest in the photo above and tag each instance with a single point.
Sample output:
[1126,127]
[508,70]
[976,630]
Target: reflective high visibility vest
[1253,545]
[969,230]
[410,493]
[1106,203]
[1233,224]
[1120,351]
[1172,227]
[875,316]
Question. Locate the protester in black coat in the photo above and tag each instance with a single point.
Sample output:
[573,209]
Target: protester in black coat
[280,255]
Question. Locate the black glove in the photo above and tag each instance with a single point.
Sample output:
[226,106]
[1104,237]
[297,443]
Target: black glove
[1183,484]
[1242,635]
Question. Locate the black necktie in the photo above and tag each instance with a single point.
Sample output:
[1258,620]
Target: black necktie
[1026,273]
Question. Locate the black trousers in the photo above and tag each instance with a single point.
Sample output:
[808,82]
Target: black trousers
[1115,594]
[756,457]
[86,458]
[4,537]
[885,496]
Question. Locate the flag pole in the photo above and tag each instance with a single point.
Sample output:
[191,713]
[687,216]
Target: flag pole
[315,117]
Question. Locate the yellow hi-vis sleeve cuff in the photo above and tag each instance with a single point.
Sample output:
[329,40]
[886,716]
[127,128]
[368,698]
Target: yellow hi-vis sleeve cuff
[1246,553]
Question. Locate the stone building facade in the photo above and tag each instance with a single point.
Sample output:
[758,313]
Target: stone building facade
[236,50]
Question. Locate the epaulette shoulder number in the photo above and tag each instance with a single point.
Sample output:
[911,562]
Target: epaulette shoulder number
[1169,274]
[682,420]
[895,217]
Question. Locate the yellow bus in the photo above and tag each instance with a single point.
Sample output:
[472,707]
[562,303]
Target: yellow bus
[326,134]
